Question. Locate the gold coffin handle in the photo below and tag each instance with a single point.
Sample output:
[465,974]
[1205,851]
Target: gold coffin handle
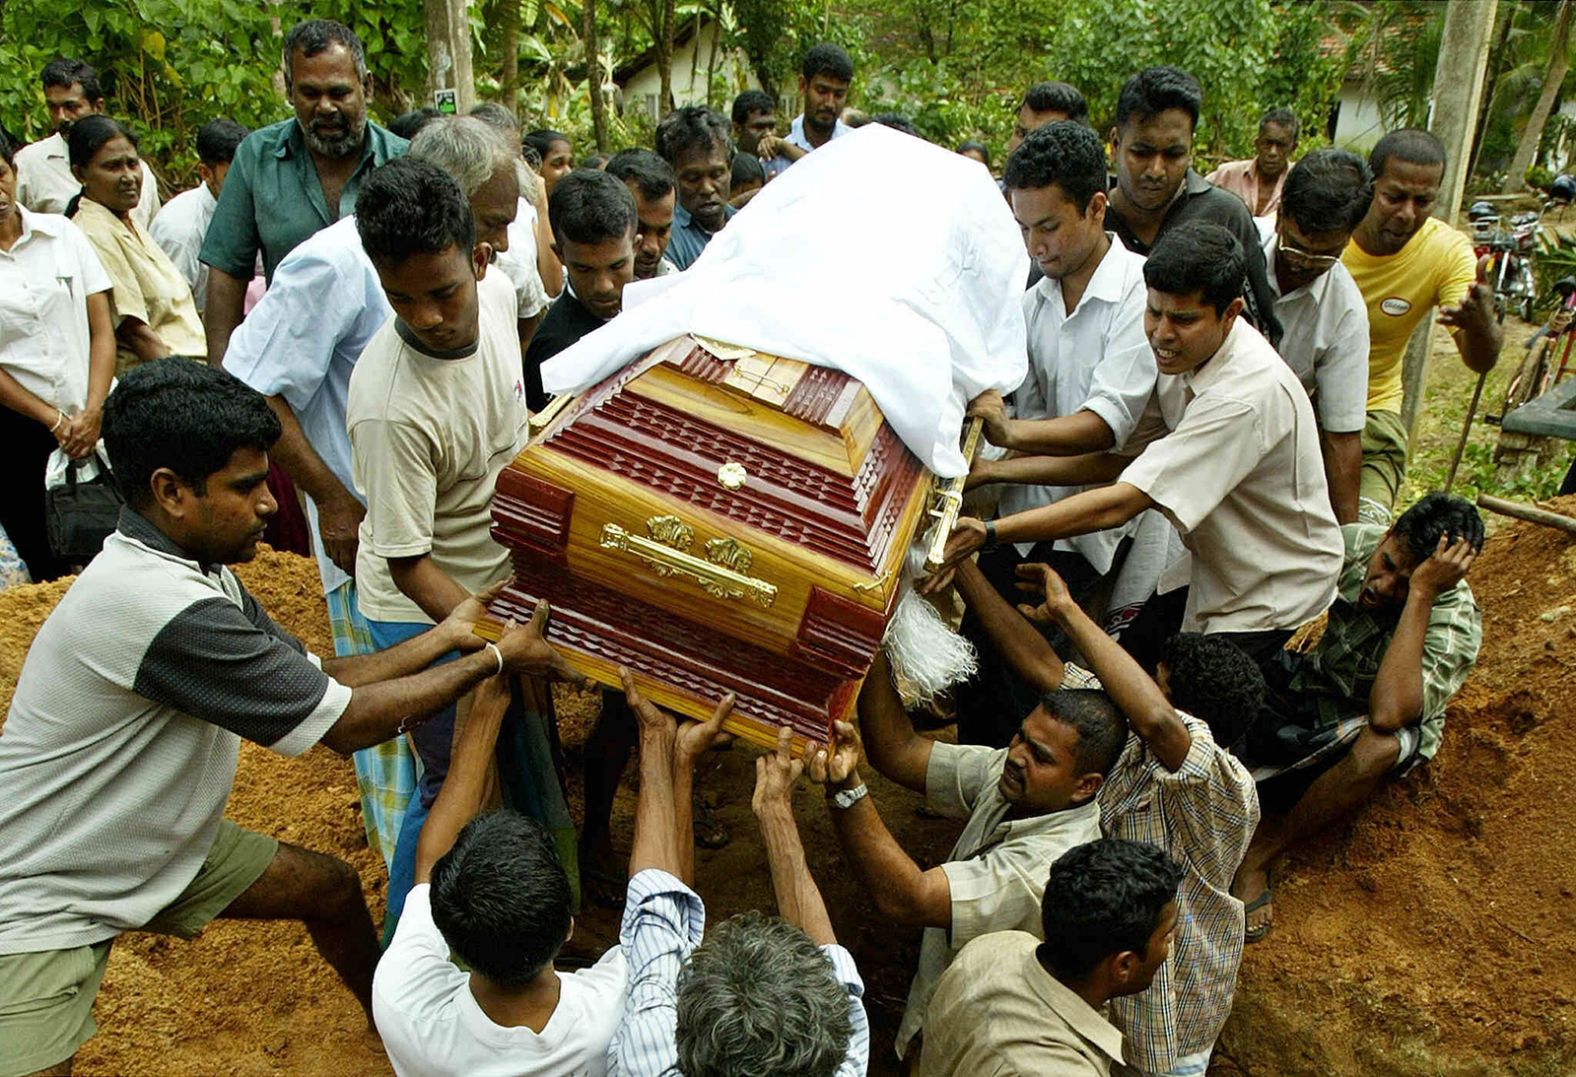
[949,495]
[716,580]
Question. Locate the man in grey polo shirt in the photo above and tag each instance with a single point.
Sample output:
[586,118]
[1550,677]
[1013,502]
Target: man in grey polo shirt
[121,743]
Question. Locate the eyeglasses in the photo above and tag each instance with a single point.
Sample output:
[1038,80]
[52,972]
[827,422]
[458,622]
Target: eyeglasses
[1303,260]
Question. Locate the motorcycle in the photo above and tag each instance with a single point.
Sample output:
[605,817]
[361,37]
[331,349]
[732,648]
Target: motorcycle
[1511,255]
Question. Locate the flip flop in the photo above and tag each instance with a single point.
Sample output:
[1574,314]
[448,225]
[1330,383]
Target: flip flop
[1256,932]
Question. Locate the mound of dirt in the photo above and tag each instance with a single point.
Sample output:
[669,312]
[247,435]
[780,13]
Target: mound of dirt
[1433,935]
[1436,934]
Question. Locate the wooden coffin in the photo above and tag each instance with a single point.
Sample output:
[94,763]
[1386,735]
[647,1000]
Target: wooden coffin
[717,520]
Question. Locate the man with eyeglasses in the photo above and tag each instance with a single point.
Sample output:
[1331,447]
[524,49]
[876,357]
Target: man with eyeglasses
[1320,308]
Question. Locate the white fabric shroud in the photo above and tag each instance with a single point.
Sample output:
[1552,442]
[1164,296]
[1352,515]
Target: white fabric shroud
[880,255]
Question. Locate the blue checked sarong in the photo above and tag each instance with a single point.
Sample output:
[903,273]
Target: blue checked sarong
[385,773]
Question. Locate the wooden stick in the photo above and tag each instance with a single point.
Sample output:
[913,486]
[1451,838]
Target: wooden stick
[1526,512]
[1466,428]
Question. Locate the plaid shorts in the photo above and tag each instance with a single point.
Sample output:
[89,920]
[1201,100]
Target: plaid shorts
[385,773]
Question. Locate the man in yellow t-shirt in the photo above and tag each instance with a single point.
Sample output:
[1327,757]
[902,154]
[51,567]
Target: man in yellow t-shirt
[1406,262]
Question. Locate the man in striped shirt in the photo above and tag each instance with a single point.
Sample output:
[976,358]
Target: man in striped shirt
[761,995]
[1175,785]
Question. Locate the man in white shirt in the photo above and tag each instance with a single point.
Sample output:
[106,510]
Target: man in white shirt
[1090,378]
[824,79]
[298,347]
[44,183]
[179,229]
[491,891]
[1228,451]
[436,409]
[1321,310]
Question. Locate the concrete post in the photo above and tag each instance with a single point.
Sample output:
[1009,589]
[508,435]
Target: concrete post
[1458,90]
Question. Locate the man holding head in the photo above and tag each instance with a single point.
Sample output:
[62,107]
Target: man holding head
[1260,179]
[1024,806]
[1090,377]
[182,225]
[1014,1003]
[291,178]
[1366,701]
[824,79]
[1406,262]
[1228,450]
[1047,103]
[650,180]
[1320,308]
[1156,188]
[121,743]
[696,143]
[44,180]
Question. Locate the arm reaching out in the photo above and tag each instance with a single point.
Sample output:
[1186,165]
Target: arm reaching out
[461,796]
[798,898]
[1137,696]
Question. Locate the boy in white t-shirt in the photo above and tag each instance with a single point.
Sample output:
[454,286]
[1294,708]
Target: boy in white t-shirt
[492,892]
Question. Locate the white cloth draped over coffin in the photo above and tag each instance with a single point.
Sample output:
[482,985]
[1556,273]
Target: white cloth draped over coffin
[880,255]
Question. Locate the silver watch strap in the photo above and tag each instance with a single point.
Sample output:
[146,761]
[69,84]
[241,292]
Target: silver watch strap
[847,798]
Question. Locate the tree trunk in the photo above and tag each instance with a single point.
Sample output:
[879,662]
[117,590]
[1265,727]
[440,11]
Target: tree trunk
[594,75]
[449,50]
[509,35]
[1559,64]
[711,57]
[664,40]
[1496,65]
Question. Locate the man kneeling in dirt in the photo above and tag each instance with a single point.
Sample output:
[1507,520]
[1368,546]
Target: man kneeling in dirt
[1368,699]
[120,747]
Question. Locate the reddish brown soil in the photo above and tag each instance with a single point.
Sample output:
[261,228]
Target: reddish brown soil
[1435,934]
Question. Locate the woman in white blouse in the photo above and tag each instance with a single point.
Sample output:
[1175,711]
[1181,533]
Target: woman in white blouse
[57,358]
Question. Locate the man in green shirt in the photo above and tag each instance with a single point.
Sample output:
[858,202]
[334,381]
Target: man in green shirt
[291,178]
[1368,699]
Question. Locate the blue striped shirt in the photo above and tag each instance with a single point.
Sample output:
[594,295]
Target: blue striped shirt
[663,923]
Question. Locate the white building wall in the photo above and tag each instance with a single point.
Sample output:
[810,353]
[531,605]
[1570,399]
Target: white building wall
[1358,124]
[691,62]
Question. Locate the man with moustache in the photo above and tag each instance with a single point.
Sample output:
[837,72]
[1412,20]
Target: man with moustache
[291,178]
[1228,451]
[44,181]
[697,143]
[1260,179]
[1320,308]
[1406,262]
[1156,188]
[824,78]
[650,180]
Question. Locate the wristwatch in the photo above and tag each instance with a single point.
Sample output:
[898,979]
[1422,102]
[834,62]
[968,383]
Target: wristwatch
[990,535]
[844,799]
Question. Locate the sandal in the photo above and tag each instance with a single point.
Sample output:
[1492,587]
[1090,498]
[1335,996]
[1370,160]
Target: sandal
[1256,932]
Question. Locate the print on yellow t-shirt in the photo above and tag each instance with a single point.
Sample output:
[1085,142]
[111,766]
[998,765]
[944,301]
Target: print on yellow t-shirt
[1435,268]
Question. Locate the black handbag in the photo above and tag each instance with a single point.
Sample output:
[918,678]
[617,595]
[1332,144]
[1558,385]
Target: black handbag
[79,514]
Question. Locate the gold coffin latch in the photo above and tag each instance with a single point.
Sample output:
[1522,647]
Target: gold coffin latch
[720,574]
[948,495]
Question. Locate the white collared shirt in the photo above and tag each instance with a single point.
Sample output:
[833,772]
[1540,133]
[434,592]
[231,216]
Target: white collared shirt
[45,279]
[1094,359]
[1325,341]
[302,341]
[1241,477]
[44,183]
[179,230]
[797,136]
[518,263]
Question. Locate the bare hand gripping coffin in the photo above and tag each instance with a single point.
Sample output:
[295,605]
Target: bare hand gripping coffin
[718,520]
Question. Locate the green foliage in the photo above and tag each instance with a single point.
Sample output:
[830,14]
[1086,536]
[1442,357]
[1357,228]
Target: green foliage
[168,66]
